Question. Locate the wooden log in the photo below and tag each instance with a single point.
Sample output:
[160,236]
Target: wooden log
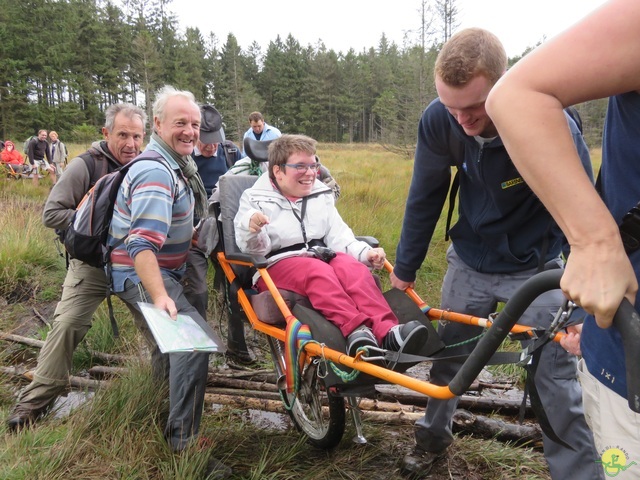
[74,382]
[15,371]
[217,381]
[10,337]
[102,371]
[105,357]
[393,393]
[485,427]
[464,422]
[262,375]
[266,398]
[263,404]
[41,317]
[245,394]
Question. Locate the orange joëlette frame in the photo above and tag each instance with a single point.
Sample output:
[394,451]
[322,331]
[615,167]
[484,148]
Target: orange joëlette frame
[314,349]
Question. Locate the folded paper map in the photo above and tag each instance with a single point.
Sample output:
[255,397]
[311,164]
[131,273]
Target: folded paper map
[180,335]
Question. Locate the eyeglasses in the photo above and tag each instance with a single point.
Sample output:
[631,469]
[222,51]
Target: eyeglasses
[303,167]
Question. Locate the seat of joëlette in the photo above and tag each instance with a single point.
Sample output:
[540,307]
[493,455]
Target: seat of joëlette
[265,308]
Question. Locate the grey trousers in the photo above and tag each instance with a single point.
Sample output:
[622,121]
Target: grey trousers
[468,291]
[83,291]
[185,372]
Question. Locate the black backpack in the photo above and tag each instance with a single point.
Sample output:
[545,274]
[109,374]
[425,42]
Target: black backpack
[85,238]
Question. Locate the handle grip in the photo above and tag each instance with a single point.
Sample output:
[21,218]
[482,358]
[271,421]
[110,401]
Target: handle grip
[627,321]
[507,318]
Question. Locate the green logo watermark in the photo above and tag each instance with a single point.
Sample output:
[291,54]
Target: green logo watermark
[614,461]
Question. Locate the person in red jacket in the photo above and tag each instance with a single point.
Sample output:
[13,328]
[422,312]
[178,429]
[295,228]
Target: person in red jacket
[12,157]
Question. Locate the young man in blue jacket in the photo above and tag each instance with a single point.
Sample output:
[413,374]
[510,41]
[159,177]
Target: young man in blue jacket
[503,236]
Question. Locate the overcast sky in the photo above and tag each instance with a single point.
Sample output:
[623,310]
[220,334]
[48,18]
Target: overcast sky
[358,24]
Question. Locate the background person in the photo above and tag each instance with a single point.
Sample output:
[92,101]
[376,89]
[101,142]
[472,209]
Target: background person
[39,155]
[212,159]
[595,58]
[259,129]
[84,287]
[503,236]
[12,157]
[59,153]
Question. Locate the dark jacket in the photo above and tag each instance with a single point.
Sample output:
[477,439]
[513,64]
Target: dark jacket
[71,187]
[502,227]
[38,150]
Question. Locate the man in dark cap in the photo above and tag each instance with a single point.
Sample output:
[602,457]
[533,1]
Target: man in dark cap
[214,155]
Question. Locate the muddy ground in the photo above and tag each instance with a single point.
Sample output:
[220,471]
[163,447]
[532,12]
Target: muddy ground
[29,318]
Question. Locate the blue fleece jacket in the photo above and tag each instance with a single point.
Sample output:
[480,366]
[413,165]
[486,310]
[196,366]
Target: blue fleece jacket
[502,227]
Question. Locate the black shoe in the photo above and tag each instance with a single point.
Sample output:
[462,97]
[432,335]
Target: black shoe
[409,338]
[22,418]
[245,359]
[362,337]
[419,462]
[216,470]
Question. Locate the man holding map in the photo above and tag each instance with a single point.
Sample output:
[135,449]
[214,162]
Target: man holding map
[153,213]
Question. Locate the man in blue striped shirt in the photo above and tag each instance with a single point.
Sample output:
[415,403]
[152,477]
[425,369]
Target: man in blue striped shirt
[154,210]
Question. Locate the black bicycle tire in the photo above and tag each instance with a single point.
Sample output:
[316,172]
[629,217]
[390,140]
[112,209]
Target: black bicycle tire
[321,434]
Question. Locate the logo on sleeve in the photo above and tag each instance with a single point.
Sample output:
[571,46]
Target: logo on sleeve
[511,183]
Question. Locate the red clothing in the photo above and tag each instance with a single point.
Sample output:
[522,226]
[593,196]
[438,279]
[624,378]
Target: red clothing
[11,155]
[343,290]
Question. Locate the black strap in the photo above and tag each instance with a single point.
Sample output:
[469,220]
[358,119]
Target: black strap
[107,259]
[536,403]
[297,246]
[452,202]
[112,317]
[92,157]
[300,218]
[498,358]
[456,151]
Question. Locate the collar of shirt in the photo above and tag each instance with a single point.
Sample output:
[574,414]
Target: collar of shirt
[198,153]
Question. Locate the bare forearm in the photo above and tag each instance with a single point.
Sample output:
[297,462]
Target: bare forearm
[147,268]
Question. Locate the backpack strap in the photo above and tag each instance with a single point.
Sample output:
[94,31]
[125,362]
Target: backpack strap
[92,157]
[231,152]
[455,184]
[456,149]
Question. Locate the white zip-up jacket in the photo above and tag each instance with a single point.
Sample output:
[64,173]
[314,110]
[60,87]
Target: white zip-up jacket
[321,221]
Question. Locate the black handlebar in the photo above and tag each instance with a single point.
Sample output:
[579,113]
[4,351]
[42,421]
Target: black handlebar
[626,320]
